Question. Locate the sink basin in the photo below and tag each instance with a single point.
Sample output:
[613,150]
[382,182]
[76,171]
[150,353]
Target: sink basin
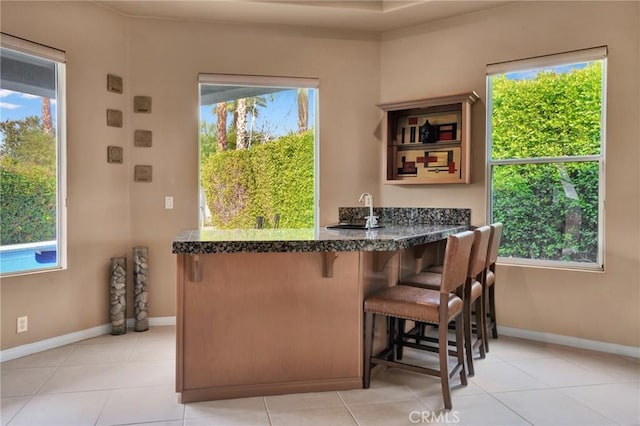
[352,225]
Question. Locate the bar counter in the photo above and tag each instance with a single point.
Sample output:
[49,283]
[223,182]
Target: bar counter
[275,311]
[387,238]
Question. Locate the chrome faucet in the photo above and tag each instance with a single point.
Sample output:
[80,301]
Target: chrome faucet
[371,220]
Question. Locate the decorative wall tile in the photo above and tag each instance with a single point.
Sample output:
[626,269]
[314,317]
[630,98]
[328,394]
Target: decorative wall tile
[114,118]
[114,83]
[114,154]
[142,104]
[142,138]
[142,173]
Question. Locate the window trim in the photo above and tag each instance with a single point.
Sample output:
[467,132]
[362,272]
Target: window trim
[32,48]
[258,80]
[583,55]
[59,57]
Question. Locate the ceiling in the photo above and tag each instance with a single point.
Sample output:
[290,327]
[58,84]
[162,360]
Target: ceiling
[373,16]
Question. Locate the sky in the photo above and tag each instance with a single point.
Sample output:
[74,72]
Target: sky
[279,117]
[15,105]
[531,74]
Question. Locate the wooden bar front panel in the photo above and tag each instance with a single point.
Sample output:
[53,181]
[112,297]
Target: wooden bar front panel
[264,323]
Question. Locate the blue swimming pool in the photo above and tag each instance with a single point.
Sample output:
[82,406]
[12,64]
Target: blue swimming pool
[27,257]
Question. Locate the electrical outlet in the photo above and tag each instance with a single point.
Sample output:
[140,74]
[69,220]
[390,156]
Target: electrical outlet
[23,324]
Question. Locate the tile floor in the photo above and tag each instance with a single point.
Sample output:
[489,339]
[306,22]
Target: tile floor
[129,380]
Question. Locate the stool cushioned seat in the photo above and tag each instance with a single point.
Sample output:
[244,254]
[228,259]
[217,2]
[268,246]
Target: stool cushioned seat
[476,290]
[431,280]
[412,303]
[435,268]
[424,280]
[490,279]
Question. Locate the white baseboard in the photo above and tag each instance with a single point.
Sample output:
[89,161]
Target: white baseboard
[154,321]
[55,342]
[162,321]
[577,342]
[66,339]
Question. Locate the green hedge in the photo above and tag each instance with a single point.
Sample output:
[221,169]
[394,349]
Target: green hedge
[550,211]
[264,180]
[28,204]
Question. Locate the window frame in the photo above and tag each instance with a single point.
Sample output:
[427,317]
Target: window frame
[58,57]
[559,59]
[267,81]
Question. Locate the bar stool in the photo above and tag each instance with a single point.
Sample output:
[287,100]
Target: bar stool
[439,307]
[473,295]
[489,280]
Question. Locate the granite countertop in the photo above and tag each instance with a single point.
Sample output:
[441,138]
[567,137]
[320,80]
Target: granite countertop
[390,238]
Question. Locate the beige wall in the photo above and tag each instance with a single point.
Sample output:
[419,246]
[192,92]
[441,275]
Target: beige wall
[109,213]
[450,57]
[98,194]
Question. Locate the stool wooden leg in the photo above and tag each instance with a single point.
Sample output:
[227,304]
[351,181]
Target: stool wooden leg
[460,349]
[481,328]
[485,316]
[492,311]
[400,337]
[391,338]
[369,321]
[468,341]
[443,352]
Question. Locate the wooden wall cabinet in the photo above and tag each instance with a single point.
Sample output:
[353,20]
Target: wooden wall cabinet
[427,141]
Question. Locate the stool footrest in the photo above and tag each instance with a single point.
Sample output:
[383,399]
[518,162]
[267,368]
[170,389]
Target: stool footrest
[416,368]
[410,367]
[426,347]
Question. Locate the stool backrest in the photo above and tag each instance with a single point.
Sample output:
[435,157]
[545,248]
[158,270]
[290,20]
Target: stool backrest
[478,260]
[456,261]
[494,243]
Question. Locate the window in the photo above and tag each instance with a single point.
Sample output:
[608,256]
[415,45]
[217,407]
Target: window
[545,158]
[32,157]
[258,152]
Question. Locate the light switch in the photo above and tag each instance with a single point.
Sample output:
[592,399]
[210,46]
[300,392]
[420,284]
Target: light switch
[168,203]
